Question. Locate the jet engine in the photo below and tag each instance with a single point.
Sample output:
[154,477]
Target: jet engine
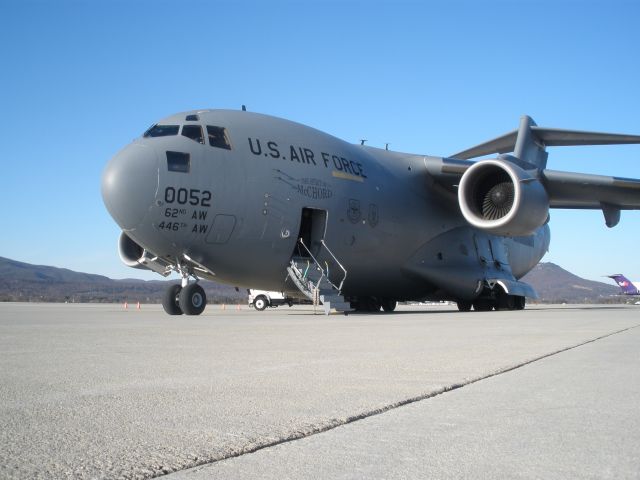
[134,255]
[503,199]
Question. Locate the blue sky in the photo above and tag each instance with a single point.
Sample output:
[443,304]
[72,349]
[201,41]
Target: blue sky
[80,79]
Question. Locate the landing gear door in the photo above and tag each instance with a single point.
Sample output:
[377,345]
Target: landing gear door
[492,253]
[483,250]
[500,254]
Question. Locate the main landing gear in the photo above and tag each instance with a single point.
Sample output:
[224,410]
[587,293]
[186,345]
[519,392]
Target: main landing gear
[187,298]
[503,301]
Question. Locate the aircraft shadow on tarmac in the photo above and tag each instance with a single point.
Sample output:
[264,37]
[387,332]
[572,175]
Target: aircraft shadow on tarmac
[455,310]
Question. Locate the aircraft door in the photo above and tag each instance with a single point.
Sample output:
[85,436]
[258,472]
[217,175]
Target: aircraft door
[313,224]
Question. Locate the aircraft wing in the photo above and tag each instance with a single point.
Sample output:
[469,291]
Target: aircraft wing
[580,190]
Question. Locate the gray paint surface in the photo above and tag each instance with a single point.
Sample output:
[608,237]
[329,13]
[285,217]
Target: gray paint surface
[90,391]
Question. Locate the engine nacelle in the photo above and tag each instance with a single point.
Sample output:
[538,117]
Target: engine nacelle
[503,199]
[135,256]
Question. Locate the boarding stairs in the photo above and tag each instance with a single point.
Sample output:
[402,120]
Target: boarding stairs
[311,277]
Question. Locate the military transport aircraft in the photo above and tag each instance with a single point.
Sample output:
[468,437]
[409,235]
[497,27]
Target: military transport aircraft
[257,201]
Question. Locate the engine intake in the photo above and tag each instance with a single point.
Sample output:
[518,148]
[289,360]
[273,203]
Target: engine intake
[134,255]
[130,252]
[501,198]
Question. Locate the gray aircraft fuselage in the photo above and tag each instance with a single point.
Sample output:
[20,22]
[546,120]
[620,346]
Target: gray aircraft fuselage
[236,209]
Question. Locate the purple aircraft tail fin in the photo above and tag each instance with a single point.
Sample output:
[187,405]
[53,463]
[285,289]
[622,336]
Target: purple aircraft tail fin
[625,284]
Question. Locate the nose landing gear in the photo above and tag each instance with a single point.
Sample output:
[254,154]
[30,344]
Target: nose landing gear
[188,298]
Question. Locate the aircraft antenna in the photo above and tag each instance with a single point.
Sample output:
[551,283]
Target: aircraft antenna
[244,108]
[362,140]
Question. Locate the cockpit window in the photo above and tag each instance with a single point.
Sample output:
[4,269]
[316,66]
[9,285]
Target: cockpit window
[218,137]
[194,132]
[162,131]
[192,118]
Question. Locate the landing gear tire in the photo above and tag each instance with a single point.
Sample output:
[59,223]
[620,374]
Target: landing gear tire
[483,305]
[389,305]
[260,302]
[464,305]
[170,301]
[192,299]
[506,302]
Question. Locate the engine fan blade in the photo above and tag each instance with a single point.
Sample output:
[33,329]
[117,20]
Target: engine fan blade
[498,201]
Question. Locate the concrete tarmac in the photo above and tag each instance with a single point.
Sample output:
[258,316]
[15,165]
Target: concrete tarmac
[95,391]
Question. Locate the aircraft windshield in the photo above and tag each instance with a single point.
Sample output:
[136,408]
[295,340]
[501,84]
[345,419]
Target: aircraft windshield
[162,131]
[194,132]
[218,137]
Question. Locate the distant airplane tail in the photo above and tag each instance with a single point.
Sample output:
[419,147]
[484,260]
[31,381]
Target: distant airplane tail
[628,288]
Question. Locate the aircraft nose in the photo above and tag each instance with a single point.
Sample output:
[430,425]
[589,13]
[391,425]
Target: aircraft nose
[129,184]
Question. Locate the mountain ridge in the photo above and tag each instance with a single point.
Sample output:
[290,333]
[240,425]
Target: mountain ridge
[20,281]
[557,285]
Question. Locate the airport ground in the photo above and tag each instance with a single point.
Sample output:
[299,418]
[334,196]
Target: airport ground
[96,391]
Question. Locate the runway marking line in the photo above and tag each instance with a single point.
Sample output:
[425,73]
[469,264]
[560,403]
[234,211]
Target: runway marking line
[315,430]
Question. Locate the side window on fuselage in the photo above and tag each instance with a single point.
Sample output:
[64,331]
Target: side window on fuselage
[218,137]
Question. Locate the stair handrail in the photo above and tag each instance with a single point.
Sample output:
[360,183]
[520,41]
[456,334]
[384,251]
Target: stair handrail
[304,282]
[339,264]
[324,275]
